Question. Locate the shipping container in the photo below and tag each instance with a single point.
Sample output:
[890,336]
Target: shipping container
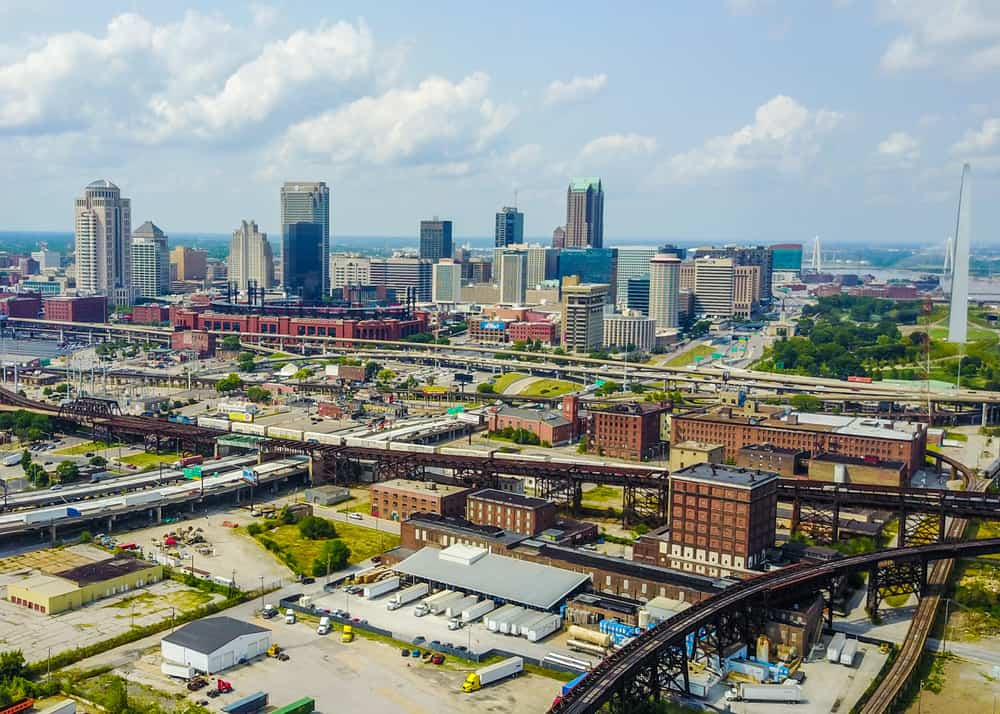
[247,705]
[381,588]
[213,423]
[306,705]
[542,629]
[835,647]
[245,428]
[847,654]
[572,683]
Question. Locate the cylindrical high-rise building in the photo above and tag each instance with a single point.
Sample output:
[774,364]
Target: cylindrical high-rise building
[103,223]
[664,288]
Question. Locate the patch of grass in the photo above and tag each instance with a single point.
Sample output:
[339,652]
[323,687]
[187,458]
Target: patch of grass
[365,542]
[356,506]
[549,388]
[138,599]
[897,600]
[686,358]
[84,448]
[956,436]
[144,460]
[188,599]
[603,496]
[505,380]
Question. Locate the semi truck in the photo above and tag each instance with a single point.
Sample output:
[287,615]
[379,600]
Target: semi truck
[44,515]
[324,626]
[409,594]
[424,606]
[138,499]
[847,654]
[439,606]
[478,610]
[743,692]
[835,647]
[381,588]
[541,629]
[455,609]
[493,673]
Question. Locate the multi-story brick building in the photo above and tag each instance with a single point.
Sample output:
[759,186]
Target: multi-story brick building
[399,499]
[201,343]
[816,434]
[787,463]
[27,306]
[510,511]
[721,518]
[689,453]
[76,309]
[626,430]
[150,314]
[549,425]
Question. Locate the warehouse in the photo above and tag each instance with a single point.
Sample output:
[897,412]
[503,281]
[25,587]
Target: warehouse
[214,644]
[51,593]
[506,580]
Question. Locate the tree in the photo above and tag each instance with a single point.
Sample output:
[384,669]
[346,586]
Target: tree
[372,369]
[231,343]
[116,697]
[258,394]
[316,528]
[67,472]
[486,388]
[245,361]
[25,460]
[806,402]
[385,375]
[12,665]
[37,475]
[302,375]
[98,461]
[332,557]
[229,384]
[582,447]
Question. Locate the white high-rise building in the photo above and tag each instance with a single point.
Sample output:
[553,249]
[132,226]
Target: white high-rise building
[103,225]
[713,287]
[958,313]
[513,277]
[664,289]
[250,257]
[150,261]
[446,281]
[47,259]
[348,269]
[633,262]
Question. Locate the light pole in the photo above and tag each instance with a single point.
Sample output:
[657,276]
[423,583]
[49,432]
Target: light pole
[262,593]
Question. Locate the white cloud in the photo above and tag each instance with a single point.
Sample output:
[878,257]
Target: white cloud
[525,156]
[438,122]
[964,34]
[615,145]
[576,89]
[783,136]
[899,146]
[979,140]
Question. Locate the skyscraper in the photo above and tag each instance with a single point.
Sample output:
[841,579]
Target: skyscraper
[958,313]
[250,257]
[559,237]
[583,317]
[189,263]
[446,281]
[150,261]
[435,239]
[304,261]
[513,276]
[103,222]
[307,202]
[633,262]
[713,286]
[404,275]
[664,288]
[591,265]
[585,213]
[509,227]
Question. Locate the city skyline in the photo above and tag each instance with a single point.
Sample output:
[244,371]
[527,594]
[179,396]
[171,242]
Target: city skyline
[771,153]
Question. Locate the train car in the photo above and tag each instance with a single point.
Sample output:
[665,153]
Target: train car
[214,423]
[364,443]
[280,432]
[412,448]
[321,438]
[245,428]
[522,457]
[448,451]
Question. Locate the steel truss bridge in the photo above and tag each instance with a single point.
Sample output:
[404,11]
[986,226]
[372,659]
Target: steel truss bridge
[656,662]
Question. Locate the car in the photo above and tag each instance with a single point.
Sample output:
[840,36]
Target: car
[435,643]
[356,517]
[376,558]
[308,581]
[461,648]
[55,487]
[418,640]
[132,467]
[48,463]
[437,659]
[89,454]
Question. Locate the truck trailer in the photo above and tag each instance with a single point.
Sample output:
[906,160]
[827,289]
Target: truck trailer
[406,595]
[491,619]
[847,654]
[743,692]
[473,613]
[247,705]
[455,609]
[381,587]
[835,647]
[484,676]
[509,624]
[543,628]
[439,606]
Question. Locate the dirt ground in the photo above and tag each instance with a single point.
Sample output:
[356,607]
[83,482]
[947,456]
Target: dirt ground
[967,687]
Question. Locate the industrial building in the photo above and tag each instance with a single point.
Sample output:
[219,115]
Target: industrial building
[689,453]
[214,644]
[629,430]
[786,462]
[52,593]
[510,511]
[399,498]
[549,425]
[505,580]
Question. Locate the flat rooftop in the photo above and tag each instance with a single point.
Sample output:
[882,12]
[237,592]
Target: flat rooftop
[475,570]
[549,416]
[858,461]
[463,527]
[771,449]
[47,585]
[724,475]
[508,498]
[424,487]
[104,570]
[870,427]
[698,446]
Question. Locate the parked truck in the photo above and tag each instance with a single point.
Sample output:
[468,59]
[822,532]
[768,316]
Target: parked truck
[473,613]
[496,615]
[409,594]
[324,626]
[836,646]
[493,673]
[45,515]
[507,625]
[381,587]
[743,692]
[847,654]
[247,705]
[439,606]
[541,629]
[455,609]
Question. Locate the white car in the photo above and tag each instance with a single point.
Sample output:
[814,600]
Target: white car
[356,517]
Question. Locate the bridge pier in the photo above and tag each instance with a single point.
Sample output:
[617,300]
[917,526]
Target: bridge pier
[111,523]
[159,514]
[52,533]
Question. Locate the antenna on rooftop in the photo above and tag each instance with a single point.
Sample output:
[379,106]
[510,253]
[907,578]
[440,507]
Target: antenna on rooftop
[515,199]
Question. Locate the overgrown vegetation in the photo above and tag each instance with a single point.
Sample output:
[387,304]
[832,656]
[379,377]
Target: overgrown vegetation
[27,426]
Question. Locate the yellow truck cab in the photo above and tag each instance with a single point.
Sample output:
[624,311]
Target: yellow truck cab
[471,683]
[348,634]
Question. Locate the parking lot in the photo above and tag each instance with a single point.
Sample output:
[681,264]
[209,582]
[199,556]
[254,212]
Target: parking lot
[362,676]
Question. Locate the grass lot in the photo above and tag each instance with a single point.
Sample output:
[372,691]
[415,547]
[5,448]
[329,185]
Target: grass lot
[83,448]
[956,436]
[683,360]
[433,389]
[603,496]
[549,388]
[505,380]
[363,542]
[146,460]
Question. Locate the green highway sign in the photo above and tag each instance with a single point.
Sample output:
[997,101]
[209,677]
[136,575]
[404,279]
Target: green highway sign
[192,472]
[716,355]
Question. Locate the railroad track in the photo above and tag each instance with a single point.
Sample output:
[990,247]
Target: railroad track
[912,650]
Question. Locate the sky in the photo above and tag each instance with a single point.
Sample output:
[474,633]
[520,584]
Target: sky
[738,120]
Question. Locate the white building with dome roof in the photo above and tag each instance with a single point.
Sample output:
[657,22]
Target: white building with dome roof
[103,226]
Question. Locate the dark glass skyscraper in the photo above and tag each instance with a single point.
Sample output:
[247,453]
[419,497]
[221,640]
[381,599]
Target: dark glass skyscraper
[308,202]
[302,260]
[509,227]
[435,239]
[591,265]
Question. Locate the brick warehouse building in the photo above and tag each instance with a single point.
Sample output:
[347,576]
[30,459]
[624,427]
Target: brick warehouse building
[510,511]
[857,437]
[629,430]
[399,499]
[76,309]
[722,519]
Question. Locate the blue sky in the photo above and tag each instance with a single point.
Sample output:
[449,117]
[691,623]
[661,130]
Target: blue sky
[742,120]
